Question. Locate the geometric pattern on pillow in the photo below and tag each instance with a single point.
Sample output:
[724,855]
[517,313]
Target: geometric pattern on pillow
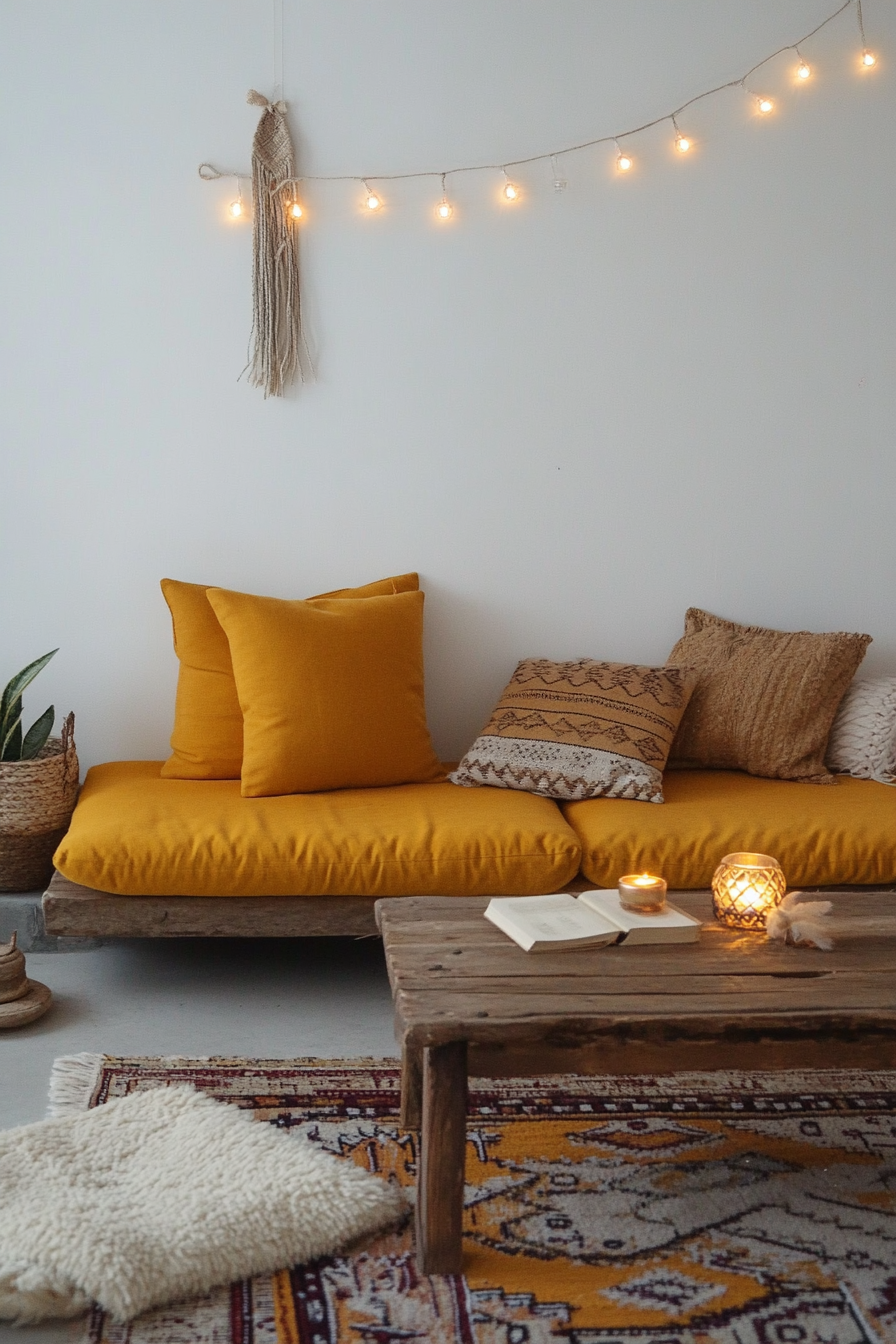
[580,729]
[863,738]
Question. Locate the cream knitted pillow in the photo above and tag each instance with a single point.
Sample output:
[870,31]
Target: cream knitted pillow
[863,735]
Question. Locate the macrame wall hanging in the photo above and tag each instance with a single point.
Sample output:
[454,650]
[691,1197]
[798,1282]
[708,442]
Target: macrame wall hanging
[276,301]
[278,352]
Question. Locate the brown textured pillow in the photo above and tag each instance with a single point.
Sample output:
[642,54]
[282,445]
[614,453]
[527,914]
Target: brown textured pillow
[580,730]
[764,700]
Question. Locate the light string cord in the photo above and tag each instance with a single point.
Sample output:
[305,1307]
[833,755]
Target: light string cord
[278,50]
[209,173]
[585,144]
[861,24]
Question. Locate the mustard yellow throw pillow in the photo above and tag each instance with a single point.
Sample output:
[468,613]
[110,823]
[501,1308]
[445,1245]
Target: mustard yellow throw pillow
[207,739]
[331,691]
[581,729]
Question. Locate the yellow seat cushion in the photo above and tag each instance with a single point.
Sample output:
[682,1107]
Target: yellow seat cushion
[331,691]
[842,834]
[135,833]
[207,738]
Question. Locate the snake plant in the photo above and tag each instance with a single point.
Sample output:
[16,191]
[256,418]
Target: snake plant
[14,745]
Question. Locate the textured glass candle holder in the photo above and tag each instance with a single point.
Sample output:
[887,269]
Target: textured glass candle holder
[746,888]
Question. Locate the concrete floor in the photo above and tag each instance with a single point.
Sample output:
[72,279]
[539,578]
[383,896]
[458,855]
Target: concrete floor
[256,997]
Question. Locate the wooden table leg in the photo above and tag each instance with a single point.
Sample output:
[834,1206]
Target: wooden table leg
[442,1152]
[411,1087]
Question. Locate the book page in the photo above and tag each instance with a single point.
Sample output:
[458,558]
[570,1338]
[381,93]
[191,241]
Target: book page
[554,918]
[607,903]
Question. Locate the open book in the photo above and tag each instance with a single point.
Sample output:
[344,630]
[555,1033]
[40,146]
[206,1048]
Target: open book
[561,921]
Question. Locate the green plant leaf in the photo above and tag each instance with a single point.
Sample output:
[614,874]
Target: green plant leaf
[12,693]
[8,748]
[12,743]
[37,734]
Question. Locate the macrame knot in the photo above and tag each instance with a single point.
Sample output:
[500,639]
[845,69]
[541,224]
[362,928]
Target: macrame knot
[258,100]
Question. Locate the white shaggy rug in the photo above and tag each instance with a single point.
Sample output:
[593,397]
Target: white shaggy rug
[160,1196]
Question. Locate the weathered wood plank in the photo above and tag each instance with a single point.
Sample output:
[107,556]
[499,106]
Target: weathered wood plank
[571,1031]
[446,967]
[610,1057]
[734,996]
[443,1141]
[73,911]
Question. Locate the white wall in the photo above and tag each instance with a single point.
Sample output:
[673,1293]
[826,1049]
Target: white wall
[575,417]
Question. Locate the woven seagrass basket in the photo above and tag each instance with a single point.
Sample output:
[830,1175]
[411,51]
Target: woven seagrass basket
[37,799]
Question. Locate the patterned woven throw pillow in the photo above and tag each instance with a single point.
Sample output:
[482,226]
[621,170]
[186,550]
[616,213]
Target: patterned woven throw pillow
[765,700]
[863,738]
[581,729]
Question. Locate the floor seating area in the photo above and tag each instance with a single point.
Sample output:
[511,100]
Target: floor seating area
[136,834]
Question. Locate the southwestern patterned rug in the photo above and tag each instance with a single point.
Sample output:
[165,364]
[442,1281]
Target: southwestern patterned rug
[698,1209]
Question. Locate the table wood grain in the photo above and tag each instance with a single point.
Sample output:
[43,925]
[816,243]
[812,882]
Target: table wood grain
[733,1000]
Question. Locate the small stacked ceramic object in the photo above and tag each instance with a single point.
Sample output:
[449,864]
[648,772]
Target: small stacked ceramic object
[21,1000]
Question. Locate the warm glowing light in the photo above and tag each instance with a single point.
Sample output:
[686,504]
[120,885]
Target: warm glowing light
[624,162]
[682,144]
[803,71]
[510,191]
[642,892]
[869,58]
[765,104]
[236,209]
[296,211]
[443,209]
[373,201]
[745,889]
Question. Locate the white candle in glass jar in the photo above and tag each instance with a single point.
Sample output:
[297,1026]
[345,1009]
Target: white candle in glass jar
[642,893]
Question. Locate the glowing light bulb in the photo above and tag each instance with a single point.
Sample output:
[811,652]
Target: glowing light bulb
[443,209]
[510,191]
[236,209]
[682,144]
[765,104]
[803,71]
[371,200]
[869,58]
[296,211]
[624,162]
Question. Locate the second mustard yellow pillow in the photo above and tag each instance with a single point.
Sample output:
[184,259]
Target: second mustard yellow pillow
[331,691]
[207,739]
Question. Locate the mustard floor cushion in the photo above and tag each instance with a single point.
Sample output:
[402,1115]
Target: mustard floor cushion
[823,835]
[135,833]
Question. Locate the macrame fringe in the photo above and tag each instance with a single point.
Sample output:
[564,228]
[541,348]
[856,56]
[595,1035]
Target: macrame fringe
[72,1082]
[276,309]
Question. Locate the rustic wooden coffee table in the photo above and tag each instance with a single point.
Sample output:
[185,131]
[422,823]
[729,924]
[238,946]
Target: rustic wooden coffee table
[469,1001]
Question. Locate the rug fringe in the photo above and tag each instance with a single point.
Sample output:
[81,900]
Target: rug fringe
[72,1080]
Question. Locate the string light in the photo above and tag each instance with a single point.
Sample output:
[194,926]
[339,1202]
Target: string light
[444,210]
[624,162]
[236,208]
[295,210]
[868,57]
[559,182]
[682,143]
[511,193]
